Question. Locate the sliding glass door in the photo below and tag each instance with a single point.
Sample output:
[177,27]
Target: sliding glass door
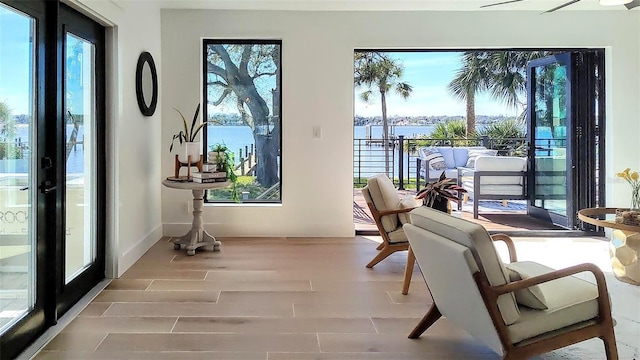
[51,166]
[566,150]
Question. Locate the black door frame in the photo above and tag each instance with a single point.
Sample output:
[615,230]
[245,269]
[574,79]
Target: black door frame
[52,297]
[14,339]
[78,24]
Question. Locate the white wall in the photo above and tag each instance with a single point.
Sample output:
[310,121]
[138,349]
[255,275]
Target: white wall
[133,140]
[317,90]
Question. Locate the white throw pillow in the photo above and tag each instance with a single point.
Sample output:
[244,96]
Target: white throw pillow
[531,296]
[436,161]
[474,154]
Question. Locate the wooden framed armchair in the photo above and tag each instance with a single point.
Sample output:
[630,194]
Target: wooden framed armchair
[519,309]
[389,212]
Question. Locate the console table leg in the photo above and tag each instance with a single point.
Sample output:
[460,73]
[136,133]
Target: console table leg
[211,240]
[197,236]
[184,241]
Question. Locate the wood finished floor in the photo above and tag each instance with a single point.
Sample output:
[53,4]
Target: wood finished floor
[297,298]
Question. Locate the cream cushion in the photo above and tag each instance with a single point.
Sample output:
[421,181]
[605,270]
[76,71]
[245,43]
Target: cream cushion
[531,296]
[493,189]
[384,197]
[449,173]
[397,236]
[407,202]
[448,268]
[476,238]
[475,154]
[500,163]
[570,300]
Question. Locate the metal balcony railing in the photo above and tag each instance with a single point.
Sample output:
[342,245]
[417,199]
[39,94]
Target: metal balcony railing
[369,156]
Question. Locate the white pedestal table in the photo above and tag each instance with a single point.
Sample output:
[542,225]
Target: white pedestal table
[197,236]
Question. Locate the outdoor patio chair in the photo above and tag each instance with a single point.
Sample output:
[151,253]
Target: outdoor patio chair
[520,309]
[494,178]
[389,212]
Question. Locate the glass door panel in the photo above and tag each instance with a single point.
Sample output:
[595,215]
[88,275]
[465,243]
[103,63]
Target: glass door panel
[80,173]
[17,184]
[555,123]
[549,121]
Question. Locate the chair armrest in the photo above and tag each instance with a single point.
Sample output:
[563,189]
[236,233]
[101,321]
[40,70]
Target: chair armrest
[480,173]
[603,298]
[513,257]
[396,211]
[464,171]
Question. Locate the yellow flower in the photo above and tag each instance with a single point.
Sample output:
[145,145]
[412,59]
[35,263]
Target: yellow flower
[633,178]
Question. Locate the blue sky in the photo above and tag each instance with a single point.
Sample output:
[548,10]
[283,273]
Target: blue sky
[15,53]
[429,73]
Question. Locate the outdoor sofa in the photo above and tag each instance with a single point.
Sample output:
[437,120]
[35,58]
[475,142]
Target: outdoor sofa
[433,160]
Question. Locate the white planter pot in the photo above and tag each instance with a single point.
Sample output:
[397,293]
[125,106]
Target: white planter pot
[190,148]
[217,158]
[214,156]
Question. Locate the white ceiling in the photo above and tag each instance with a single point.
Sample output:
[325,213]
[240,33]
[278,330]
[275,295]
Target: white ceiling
[381,5]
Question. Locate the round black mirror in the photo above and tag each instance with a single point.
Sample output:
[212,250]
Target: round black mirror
[146,84]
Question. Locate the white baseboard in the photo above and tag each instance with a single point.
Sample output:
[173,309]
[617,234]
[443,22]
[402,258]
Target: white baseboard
[276,230]
[129,257]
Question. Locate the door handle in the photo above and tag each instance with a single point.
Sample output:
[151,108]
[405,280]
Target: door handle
[47,187]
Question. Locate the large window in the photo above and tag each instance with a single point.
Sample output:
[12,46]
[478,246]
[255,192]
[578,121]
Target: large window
[242,94]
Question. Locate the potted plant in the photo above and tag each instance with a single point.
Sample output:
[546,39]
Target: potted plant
[218,155]
[188,136]
[224,160]
[437,194]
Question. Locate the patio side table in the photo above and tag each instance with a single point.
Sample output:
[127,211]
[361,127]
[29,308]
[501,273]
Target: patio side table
[624,247]
[197,236]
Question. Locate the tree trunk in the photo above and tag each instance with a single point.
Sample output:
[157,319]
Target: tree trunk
[471,113]
[267,145]
[266,159]
[385,132]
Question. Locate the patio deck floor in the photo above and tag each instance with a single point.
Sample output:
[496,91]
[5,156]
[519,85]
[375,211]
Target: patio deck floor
[510,218]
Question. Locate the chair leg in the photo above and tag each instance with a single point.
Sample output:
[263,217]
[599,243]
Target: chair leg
[475,208]
[380,246]
[381,256]
[431,317]
[408,271]
[610,347]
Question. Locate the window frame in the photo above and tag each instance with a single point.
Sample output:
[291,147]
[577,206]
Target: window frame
[205,115]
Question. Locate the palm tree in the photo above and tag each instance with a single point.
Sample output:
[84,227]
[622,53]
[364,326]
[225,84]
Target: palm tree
[5,112]
[502,73]
[471,79]
[509,76]
[377,71]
